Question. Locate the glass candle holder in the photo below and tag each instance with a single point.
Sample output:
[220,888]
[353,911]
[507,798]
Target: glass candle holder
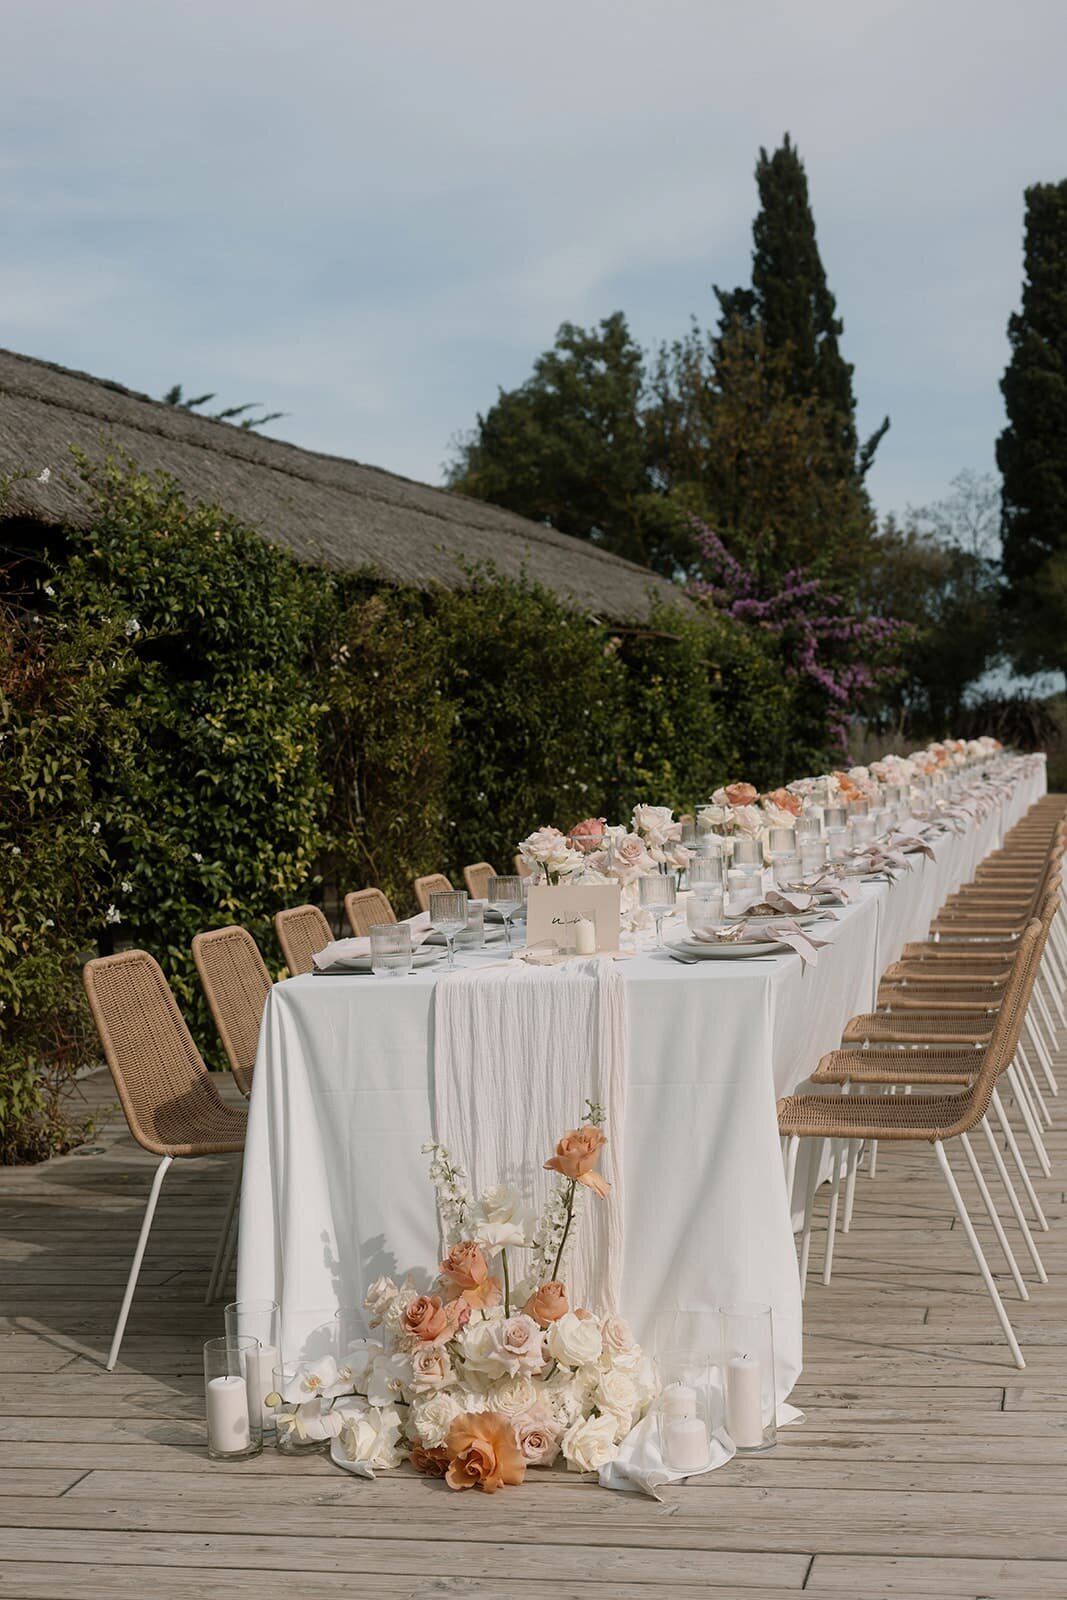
[836,843]
[812,854]
[782,842]
[748,852]
[234,1428]
[786,870]
[747,1354]
[258,1320]
[684,1421]
[808,827]
[834,817]
[390,949]
[860,831]
[472,937]
[859,808]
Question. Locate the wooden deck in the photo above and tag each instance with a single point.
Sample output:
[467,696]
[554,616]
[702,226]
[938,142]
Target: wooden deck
[928,1465]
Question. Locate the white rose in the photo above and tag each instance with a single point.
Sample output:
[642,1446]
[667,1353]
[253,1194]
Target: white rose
[777,816]
[373,1437]
[501,1235]
[589,1444]
[617,1336]
[378,1297]
[502,1203]
[617,1394]
[574,1343]
[478,1342]
[512,1395]
[395,1308]
[430,1368]
[657,821]
[432,1417]
[748,819]
[518,1346]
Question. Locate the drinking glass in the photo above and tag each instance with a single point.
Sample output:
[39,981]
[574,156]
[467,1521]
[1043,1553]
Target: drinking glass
[657,893]
[472,937]
[234,1429]
[782,842]
[705,872]
[705,910]
[390,948]
[448,913]
[505,895]
[812,854]
[748,852]
[786,869]
[834,817]
[808,827]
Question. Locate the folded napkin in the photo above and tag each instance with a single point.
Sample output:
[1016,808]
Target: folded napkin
[783,932]
[796,903]
[829,882]
[910,840]
[342,950]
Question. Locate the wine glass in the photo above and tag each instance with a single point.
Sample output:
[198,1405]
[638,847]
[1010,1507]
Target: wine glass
[448,913]
[505,896]
[657,892]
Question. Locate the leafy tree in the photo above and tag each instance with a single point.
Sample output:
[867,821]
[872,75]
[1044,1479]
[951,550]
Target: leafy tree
[1032,450]
[792,302]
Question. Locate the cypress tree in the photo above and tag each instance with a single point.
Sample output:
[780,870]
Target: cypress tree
[791,299]
[1032,450]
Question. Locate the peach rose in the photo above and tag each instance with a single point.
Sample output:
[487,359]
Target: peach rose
[741,794]
[547,1304]
[588,836]
[467,1272]
[785,801]
[433,1462]
[576,1155]
[429,1321]
[483,1452]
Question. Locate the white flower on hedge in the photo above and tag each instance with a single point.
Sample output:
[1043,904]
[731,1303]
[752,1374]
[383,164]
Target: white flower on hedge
[589,1444]
[374,1437]
[94,827]
[574,1343]
[126,886]
[49,591]
[432,1416]
[112,915]
[132,628]
[431,1368]
[44,475]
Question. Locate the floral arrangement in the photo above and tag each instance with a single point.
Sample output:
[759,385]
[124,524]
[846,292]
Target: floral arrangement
[480,1378]
[596,852]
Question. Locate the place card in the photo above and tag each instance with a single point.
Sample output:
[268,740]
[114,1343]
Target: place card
[554,914]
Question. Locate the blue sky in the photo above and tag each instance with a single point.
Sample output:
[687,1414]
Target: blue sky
[370,215]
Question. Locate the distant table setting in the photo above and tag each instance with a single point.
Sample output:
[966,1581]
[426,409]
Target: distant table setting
[692,973]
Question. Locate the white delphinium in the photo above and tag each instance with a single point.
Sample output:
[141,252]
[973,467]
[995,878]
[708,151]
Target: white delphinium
[453,1195]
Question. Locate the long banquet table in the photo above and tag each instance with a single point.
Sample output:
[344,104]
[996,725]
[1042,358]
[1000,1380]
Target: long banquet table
[335,1191]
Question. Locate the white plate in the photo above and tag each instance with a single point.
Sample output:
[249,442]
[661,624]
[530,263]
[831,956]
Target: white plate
[693,950]
[493,935]
[361,964]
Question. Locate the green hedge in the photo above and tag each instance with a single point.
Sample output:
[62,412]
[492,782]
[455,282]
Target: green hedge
[196,730]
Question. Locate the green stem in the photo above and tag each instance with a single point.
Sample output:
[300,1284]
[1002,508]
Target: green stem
[507,1284]
[567,1229]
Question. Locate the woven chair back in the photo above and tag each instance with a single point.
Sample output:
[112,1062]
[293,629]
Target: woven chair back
[236,984]
[367,909]
[302,932]
[170,1103]
[433,883]
[476,877]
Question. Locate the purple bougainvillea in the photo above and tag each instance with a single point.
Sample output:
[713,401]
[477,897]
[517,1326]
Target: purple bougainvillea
[841,657]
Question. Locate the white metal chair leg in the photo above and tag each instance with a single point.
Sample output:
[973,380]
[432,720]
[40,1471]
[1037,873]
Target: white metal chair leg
[1050,977]
[138,1257]
[976,1251]
[1046,1017]
[815,1157]
[1022,1100]
[792,1149]
[1020,1165]
[1044,1059]
[872,1158]
[991,1212]
[220,1265]
[1037,1099]
[850,1182]
[1013,1201]
[839,1146]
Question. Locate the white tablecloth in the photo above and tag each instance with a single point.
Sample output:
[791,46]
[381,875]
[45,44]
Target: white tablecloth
[335,1189]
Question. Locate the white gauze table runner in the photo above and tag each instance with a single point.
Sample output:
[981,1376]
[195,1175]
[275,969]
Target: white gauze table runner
[517,1052]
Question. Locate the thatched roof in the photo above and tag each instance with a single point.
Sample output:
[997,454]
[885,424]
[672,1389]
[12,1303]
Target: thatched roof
[325,510]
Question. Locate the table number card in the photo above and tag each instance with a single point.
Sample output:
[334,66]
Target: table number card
[553,915]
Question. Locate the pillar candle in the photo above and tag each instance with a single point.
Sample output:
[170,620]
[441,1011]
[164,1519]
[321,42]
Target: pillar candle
[584,937]
[227,1415]
[744,1402]
[687,1444]
[259,1375]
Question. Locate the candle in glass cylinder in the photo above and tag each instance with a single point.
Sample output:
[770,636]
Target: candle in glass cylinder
[744,1405]
[228,1430]
[686,1444]
[259,1375]
[584,937]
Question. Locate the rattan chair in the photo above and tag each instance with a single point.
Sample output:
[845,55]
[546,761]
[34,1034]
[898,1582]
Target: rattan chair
[523,868]
[931,1119]
[476,877]
[367,909]
[302,932]
[236,984]
[172,1107]
[433,883]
